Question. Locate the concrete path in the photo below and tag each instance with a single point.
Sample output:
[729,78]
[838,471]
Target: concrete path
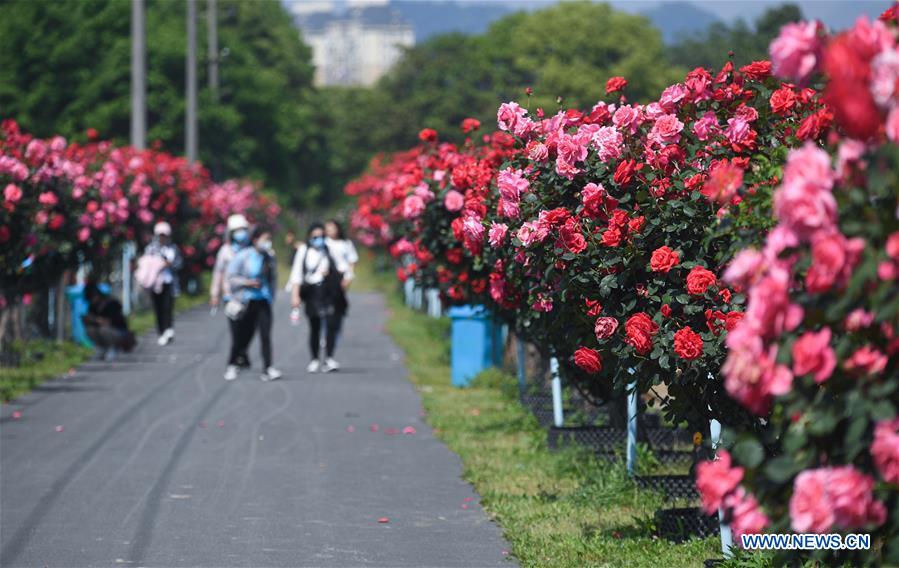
[155,460]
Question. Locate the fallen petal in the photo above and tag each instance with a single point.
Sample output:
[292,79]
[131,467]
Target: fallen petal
[221,423]
[383,520]
[59,428]
[350,429]
[469,499]
[16,414]
[375,427]
[465,506]
[391,431]
[409,430]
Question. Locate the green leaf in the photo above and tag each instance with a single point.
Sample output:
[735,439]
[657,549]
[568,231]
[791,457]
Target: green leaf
[749,452]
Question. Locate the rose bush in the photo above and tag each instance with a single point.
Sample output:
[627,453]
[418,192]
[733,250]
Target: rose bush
[65,204]
[816,352]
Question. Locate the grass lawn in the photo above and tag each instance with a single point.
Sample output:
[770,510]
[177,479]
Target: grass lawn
[43,360]
[557,508]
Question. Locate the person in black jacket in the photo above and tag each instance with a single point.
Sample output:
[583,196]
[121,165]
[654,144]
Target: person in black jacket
[106,324]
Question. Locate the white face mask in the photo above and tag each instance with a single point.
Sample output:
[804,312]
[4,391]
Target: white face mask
[265,246]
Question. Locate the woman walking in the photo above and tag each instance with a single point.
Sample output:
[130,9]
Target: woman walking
[345,254]
[168,259]
[238,237]
[251,278]
[316,280]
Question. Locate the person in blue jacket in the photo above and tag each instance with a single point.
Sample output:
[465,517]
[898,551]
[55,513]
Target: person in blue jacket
[252,277]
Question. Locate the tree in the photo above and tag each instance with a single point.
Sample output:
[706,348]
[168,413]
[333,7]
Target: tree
[65,67]
[749,43]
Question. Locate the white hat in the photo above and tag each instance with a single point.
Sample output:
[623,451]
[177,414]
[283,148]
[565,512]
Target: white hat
[237,221]
[162,228]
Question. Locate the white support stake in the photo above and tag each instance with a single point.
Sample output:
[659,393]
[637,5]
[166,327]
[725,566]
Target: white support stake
[435,309]
[631,426]
[558,416]
[127,252]
[727,537]
[408,289]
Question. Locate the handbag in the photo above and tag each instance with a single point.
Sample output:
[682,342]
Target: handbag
[235,309]
[306,290]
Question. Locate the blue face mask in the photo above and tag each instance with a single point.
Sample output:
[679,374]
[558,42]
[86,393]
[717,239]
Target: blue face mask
[318,242]
[240,236]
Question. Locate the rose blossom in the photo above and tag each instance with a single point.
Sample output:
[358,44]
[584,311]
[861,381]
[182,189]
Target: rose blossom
[892,126]
[796,52]
[605,327]
[706,127]
[666,130]
[885,449]
[543,303]
[699,279]
[596,200]
[866,361]
[812,354]
[725,178]
[640,330]
[804,201]
[537,151]
[737,130]
[687,344]
[12,193]
[511,117]
[663,259]
[607,141]
[747,516]
[715,479]
[834,497]
[858,319]
[454,201]
[671,96]
[413,206]
[833,259]
[626,118]
[751,374]
[511,184]
[588,360]
[498,233]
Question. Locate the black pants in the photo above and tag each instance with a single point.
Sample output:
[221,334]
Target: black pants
[258,315]
[163,304]
[242,359]
[332,327]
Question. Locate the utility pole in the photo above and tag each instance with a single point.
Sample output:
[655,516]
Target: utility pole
[213,47]
[138,76]
[190,146]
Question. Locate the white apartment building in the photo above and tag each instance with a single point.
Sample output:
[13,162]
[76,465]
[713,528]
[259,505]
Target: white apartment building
[356,47]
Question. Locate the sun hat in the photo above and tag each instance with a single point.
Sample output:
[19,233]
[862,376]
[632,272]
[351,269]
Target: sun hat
[237,221]
[162,228]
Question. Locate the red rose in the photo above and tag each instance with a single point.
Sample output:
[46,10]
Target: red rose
[699,280]
[687,344]
[666,310]
[635,225]
[782,100]
[815,124]
[454,256]
[588,360]
[848,67]
[478,286]
[401,275]
[470,125]
[619,219]
[733,318]
[624,173]
[594,308]
[56,221]
[640,329]
[571,236]
[605,327]
[427,135]
[612,237]
[663,259]
[615,84]
[92,134]
[757,70]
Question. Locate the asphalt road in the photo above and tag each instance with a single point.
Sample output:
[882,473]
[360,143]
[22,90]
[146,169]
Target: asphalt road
[155,460]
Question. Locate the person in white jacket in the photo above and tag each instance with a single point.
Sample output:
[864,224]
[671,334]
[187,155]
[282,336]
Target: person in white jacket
[237,237]
[316,282]
[164,300]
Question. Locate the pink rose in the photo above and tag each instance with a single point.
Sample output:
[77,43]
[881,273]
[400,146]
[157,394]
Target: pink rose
[746,515]
[413,207]
[508,116]
[892,125]
[608,141]
[572,149]
[804,201]
[706,127]
[41,217]
[626,118]
[454,201]
[538,152]
[671,96]
[885,449]
[84,234]
[892,246]
[858,319]
[48,199]
[12,193]
[508,208]
[737,130]
[543,303]
[812,354]
[597,202]
[745,269]
[866,361]
[605,327]
[511,184]
[834,257]
[796,52]
[715,479]
[751,374]
[498,233]
[666,130]
[884,75]
[810,510]
[851,497]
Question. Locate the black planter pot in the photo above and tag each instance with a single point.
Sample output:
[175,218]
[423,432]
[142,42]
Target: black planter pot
[679,525]
[673,486]
[713,562]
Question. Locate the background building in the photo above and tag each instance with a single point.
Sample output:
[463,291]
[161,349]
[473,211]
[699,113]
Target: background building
[356,46]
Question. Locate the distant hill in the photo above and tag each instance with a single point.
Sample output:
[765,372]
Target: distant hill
[677,19]
[433,18]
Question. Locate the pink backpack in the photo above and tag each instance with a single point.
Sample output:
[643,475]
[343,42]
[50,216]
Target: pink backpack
[149,272]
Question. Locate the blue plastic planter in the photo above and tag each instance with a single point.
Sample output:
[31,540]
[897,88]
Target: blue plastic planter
[79,306]
[473,338]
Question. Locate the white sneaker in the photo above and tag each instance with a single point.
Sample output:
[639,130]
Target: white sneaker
[313,366]
[330,365]
[231,372]
[271,374]
[166,337]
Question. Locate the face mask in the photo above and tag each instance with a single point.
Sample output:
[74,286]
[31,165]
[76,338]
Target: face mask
[318,242]
[240,236]
[264,246]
